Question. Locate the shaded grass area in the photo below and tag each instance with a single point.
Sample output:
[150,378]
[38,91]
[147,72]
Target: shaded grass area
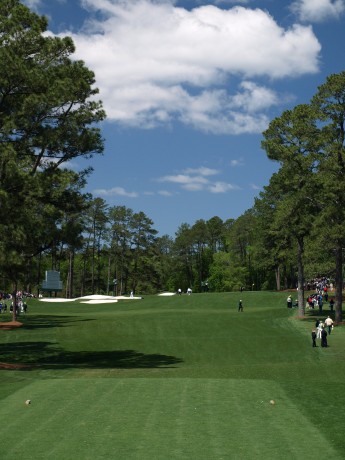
[171,378]
[45,355]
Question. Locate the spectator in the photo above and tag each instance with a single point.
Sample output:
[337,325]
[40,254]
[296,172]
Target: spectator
[324,338]
[319,330]
[289,302]
[329,324]
[331,304]
[313,337]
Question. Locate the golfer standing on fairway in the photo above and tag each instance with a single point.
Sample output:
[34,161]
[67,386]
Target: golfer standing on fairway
[240,306]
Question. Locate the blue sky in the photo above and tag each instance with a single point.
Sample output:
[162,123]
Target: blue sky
[188,87]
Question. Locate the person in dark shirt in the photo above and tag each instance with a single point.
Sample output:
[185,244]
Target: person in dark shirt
[331,304]
[313,337]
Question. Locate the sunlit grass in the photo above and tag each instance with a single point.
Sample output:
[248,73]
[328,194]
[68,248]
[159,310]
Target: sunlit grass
[169,378]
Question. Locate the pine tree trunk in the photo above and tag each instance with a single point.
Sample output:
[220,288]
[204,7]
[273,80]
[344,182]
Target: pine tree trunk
[14,299]
[277,272]
[108,274]
[338,283]
[300,281]
[70,273]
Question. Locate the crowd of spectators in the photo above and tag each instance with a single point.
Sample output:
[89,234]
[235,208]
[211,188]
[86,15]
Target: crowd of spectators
[323,293]
[19,294]
[319,284]
[323,290]
[7,299]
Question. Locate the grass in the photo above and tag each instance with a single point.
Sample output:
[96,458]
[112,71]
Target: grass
[183,377]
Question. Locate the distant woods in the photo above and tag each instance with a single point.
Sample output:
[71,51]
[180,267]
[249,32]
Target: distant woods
[114,250]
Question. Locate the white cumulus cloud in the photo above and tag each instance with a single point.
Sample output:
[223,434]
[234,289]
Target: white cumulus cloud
[115,191]
[237,162]
[255,187]
[318,10]
[32,4]
[221,187]
[165,193]
[203,171]
[196,180]
[157,63]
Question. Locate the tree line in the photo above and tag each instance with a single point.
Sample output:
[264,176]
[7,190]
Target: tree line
[48,116]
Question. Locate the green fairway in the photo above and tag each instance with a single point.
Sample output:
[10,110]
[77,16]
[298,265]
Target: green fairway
[182,377]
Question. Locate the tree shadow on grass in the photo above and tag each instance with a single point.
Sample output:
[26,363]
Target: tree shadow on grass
[43,355]
[313,315]
[49,321]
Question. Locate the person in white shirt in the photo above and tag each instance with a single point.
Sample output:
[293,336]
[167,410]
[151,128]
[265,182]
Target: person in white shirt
[319,330]
[329,324]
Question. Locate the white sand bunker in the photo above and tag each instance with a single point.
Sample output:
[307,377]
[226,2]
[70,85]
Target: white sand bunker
[55,299]
[90,299]
[123,297]
[99,301]
[96,297]
[167,293]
